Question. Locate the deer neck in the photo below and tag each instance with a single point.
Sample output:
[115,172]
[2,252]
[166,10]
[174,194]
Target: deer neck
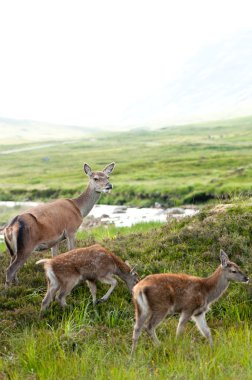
[216,285]
[86,201]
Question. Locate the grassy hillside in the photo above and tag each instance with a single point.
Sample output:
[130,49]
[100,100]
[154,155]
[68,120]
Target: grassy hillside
[86,342]
[173,165]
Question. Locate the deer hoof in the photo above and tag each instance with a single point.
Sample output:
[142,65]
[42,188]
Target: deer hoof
[99,301]
[7,285]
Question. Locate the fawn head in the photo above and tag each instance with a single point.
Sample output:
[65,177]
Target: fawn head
[232,271]
[133,278]
[99,180]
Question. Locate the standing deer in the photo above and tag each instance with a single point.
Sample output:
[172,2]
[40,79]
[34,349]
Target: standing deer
[158,295]
[90,264]
[45,226]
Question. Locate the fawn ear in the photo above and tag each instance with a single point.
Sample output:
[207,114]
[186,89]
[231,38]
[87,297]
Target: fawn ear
[223,258]
[132,270]
[87,170]
[109,168]
[127,263]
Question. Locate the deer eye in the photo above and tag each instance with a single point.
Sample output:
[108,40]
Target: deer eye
[96,178]
[233,271]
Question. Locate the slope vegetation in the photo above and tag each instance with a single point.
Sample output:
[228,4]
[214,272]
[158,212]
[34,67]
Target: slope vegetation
[94,343]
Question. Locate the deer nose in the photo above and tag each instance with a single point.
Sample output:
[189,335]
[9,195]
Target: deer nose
[246,279]
[109,186]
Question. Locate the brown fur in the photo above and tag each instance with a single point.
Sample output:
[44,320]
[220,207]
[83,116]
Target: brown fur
[91,264]
[119,263]
[45,226]
[158,295]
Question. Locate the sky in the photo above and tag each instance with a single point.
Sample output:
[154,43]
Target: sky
[79,62]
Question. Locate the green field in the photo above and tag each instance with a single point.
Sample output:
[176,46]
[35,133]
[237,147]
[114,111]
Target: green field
[86,342]
[173,165]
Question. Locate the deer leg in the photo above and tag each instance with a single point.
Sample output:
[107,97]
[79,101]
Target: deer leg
[201,323]
[93,288]
[61,297]
[153,335]
[153,322]
[13,256]
[70,242]
[15,279]
[64,290]
[184,318]
[107,280]
[51,291]
[16,263]
[55,249]
[141,317]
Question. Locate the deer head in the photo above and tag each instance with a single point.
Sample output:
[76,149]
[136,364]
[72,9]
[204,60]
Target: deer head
[99,180]
[231,270]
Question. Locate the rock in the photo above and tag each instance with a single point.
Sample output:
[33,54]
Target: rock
[120,210]
[175,210]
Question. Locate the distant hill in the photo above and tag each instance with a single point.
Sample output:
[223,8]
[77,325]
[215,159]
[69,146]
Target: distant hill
[13,131]
[216,83]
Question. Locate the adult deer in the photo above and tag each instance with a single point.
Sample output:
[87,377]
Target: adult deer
[158,295]
[46,225]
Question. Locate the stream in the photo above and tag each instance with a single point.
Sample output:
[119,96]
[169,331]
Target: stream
[120,216]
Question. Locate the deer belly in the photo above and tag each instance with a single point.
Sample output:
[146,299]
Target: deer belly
[49,244]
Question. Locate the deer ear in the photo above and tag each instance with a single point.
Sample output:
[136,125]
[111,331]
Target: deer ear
[224,258]
[87,170]
[109,168]
[132,270]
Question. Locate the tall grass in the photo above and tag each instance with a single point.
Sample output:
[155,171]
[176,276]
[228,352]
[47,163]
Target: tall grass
[101,353]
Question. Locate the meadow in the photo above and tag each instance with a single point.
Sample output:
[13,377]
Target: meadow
[171,166]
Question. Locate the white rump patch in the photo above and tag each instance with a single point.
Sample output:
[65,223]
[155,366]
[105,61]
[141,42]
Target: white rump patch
[143,302]
[51,276]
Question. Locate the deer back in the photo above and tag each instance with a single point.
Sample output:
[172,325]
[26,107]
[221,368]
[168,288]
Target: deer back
[177,292]
[91,263]
[57,216]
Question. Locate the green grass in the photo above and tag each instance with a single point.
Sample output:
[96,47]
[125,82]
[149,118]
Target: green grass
[173,165]
[111,232]
[86,342]
[52,354]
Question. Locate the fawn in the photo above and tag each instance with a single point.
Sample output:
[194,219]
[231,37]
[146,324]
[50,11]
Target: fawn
[90,264]
[158,295]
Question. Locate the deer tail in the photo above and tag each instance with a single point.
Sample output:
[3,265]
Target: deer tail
[42,261]
[10,238]
[141,302]
[51,276]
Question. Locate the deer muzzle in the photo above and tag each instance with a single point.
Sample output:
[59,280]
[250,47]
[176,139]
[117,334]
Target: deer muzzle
[107,188]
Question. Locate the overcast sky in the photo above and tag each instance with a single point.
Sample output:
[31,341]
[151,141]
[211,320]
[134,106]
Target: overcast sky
[84,62]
